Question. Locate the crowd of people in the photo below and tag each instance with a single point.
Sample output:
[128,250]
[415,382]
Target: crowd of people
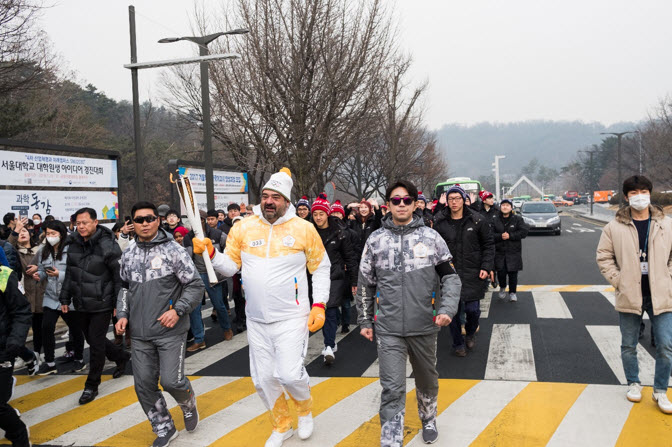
[410,266]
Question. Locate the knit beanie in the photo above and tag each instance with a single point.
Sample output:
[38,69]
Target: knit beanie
[181,230]
[281,182]
[303,201]
[337,208]
[422,197]
[458,189]
[321,204]
[485,195]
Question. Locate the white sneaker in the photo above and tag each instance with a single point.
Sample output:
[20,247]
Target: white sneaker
[328,354]
[276,439]
[502,293]
[634,393]
[305,426]
[335,347]
[663,402]
[513,298]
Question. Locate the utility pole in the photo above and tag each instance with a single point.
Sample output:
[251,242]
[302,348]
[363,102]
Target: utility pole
[619,135]
[592,180]
[496,165]
[139,152]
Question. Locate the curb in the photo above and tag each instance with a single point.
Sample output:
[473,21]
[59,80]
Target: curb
[588,218]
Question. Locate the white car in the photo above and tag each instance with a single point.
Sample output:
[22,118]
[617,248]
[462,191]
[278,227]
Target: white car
[518,203]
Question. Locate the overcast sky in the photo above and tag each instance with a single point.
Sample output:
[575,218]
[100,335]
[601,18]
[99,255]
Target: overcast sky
[485,60]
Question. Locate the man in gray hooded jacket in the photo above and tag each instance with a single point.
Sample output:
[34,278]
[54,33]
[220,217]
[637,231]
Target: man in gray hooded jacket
[161,287]
[401,269]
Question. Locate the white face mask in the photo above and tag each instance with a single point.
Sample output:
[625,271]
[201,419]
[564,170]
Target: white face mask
[37,221]
[53,240]
[640,201]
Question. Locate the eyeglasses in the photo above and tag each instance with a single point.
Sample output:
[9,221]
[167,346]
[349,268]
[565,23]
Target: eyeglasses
[142,219]
[455,199]
[396,201]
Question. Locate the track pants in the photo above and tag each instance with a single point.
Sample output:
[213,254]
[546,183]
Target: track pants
[392,352]
[277,353]
[161,358]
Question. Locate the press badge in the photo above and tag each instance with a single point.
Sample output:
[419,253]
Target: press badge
[644,265]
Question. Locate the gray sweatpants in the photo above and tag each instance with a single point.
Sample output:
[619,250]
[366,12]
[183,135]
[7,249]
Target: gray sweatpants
[162,358]
[392,352]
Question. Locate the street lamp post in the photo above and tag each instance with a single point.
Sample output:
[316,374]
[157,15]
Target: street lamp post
[496,165]
[619,135]
[202,42]
[592,180]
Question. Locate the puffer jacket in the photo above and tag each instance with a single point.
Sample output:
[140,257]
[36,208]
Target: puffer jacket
[92,275]
[364,229]
[34,290]
[473,248]
[15,315]
[154,275]
[509,252]
[338,245]
[399,276]
[53,284]
[618,261]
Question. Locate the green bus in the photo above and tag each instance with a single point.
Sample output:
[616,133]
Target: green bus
[472,187]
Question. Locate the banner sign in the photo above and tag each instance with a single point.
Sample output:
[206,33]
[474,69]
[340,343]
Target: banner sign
[30,169]
[225,181]
[60,204]
[222,201]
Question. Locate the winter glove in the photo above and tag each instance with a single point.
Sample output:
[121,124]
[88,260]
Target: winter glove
[316,317]
[201,244]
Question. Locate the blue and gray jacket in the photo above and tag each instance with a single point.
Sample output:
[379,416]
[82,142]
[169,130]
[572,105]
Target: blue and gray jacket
[399,275]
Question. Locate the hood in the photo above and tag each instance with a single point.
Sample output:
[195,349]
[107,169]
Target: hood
[624,215]
[291,212]
[389,224]
[161,238]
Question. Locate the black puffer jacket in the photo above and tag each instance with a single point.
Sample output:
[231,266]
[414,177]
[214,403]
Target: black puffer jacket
[338,245]
[364,230]
[92,276]
[509,250]
[473,248]
[425,215]
[15,316]
[488,214]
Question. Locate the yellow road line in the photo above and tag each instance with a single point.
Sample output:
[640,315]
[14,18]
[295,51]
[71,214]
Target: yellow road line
[532,417]
[570,288]
[325,394]
[208,404]
[646,424]
[23,379]
[368,434]
[52,393]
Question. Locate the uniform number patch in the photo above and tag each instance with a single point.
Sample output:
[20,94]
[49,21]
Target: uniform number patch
[257,243]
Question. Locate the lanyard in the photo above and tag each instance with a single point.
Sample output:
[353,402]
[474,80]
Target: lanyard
[645,250]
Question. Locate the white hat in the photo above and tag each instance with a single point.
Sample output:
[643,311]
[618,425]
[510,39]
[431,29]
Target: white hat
[281,182]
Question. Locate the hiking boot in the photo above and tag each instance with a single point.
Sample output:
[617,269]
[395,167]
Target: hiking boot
[328,354]
[429,432]
[634,393]
[461,351]
[276,439]
[164,437]
[196,346]
[78,366]
[46,370]
[228,334]
[513,298]
[305,426]
[663,402]
[87,396]
[121,366]
[33,365]
[470,341]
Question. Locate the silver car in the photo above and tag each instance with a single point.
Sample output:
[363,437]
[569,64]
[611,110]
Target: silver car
[542,216]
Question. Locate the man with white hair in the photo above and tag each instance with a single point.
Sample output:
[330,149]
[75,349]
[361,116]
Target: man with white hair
[273,249]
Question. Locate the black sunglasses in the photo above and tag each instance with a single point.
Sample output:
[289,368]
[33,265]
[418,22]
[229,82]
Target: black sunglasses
[142,219]
[396,201]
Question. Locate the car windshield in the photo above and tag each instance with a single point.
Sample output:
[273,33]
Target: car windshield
[538,208]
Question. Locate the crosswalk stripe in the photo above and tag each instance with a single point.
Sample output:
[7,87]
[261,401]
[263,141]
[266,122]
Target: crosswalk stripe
[54,392]
[565,288]
[611,297]
[485,304]
[544,403]
[374,369]
[608,340]
[212,354]
[325,394]
[550,305]
[510,356]
[596,418]
[29,384]
[463,421]
[646,424]
[316,344]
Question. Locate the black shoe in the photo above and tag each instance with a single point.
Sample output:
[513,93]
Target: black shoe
[87,396]
[641,330]
[78,366]
[33,365]
[461,352]
[164,437]
[470,341]
[345,330]
[429,432]
[46,370]
[67,357]
[121,366]
[214,317]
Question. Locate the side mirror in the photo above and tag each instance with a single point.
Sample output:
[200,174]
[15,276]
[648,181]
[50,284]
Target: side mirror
[559,211]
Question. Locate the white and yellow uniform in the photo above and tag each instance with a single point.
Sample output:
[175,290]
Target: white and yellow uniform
[273,259]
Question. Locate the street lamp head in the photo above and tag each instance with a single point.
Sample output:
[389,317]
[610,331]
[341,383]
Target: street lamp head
[170,39]
[237,31]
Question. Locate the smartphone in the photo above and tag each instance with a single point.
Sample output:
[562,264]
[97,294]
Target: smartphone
[127,219]
[49,269]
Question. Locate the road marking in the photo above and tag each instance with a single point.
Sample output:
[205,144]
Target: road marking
[608,341]
[212,354]
[576,224]
[566,288]
[29,384]
[54,392]
[510,356]
[485,304]
[646,424]
[550,305]
[316,344]
[596,418]
[568,231]
[544,403]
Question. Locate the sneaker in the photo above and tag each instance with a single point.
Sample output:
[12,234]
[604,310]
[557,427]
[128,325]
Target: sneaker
[429,432]
[663,402]
[502,293]
[470,341]
[461,352]
[67,357]
[634,393]
[513,298]
[11,393]
[87,396]
[78,366]
[46,370]
[121,366]
[196,346]
[305,426]
[191,419]
[276,439]
[33,365]
[164,437]
[328,354]
[345,330]
[19,363]
[335,348]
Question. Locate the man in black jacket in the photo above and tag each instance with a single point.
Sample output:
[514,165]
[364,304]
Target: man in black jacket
[92,281]
[470,241]
[15,321]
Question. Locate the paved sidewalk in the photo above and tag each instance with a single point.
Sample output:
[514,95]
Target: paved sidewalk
[600,213]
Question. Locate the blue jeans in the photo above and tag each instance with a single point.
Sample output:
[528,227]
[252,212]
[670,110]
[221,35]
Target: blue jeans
[196,321]
[662,330]
[216,295]
[330,326]
[473,311]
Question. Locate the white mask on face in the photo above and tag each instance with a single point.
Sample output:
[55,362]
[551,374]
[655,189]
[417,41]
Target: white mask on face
[640,201]
[37,221]
[53,240]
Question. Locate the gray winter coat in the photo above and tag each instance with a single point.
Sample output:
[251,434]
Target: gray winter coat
[54,284]
[400,270]
[153,275]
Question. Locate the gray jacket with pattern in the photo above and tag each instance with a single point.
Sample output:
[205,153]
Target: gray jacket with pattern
[153,275]
[399,277]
